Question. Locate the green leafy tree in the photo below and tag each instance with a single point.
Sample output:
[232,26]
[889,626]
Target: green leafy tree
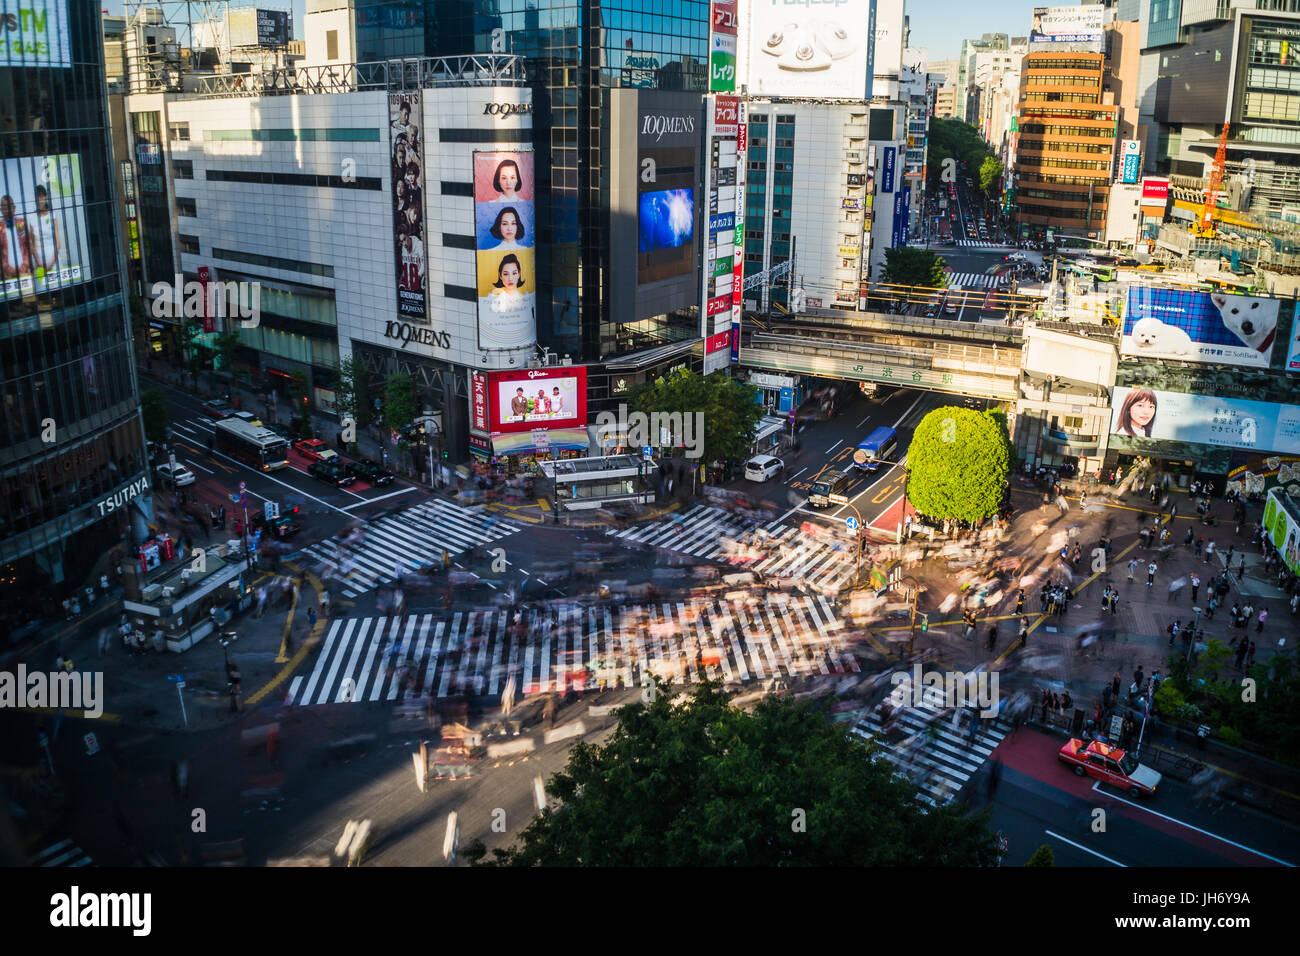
[702,783]
[352,391]
[730,410]
[227,344]
[1043,856]
[990,171]
[399,401]
[957,465]
[153,408]
[910,266]
[300,399]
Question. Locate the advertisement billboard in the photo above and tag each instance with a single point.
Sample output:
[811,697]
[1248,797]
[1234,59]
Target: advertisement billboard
[722,46]
[1293,353]
[1191,326]
[478,400]
[272,28]
[738,272]
[504,238]
[1079,27]
[1130,161]
[534,398]
[1282,525]
[887,170]
[896,236]
[1155,192]
[43,241]
[34,33]
[1226,422]
[802,50]
[408,204]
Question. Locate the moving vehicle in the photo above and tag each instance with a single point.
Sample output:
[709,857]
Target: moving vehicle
[254,445]
[285,526]
[331,472]
[763,467]
[371,472]
[879,446]
[177,474]
[313,449]
[950,306]
[931,308]
[1110,765]
[830,488]
[247,417]
[217,408]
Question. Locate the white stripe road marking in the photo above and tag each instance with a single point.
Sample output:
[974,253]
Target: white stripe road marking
[376,638]
[338,659]
[1080,846]
[370,501]
[321,659]
[352,664]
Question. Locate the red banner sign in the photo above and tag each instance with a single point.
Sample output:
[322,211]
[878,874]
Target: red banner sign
[724,16]
[718,342]
[719,305]
[479,401]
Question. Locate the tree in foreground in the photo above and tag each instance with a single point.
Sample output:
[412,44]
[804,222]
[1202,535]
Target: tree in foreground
[729,408]
[153,407]
[907,266]
[958,463]
[702,783]
[1043,856]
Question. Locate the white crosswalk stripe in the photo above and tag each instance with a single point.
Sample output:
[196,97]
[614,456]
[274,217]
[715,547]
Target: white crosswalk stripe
[63,853]
[409,538]
[772,549]
[984,244]
[923,745]
[974,280]
[476,652]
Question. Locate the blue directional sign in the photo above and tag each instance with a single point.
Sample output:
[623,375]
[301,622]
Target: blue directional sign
[647,452]
[176,677]
[852,523]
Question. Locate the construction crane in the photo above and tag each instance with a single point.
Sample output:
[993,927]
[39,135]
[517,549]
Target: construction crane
[1205,222]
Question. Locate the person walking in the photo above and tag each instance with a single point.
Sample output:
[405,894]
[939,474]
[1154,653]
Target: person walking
[325,604]
[1020,602]
[1196,586]
[1187,541]
[1200,543]
[1240,659]
[1132,566]
[1151,574]
[1209,552]
[1241,566]
[1175,586]
[992,638]
[311,620]
[1263,616]
[1024,631]
[1173,633]
[1250,655]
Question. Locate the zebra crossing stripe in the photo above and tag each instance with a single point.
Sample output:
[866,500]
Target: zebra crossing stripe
[345,691]
[338,659]
[321,659]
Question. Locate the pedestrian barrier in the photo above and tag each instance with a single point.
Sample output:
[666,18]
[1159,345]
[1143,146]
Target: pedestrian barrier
[523,745]
[575,729]
[603,710]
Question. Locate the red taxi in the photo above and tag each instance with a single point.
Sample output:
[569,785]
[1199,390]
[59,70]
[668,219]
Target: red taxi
[313,449]
[1110,765]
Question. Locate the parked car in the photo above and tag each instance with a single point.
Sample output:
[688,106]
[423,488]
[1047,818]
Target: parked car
[1109,765]
[217,408]
[176,474]
[313,449]
[763,467]
[370,472]
[331,472]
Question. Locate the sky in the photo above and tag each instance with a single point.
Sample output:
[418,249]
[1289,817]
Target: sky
[939,26]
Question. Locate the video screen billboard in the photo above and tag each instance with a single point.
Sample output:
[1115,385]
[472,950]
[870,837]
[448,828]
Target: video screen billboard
[1185,417]
[1191,326]
[665,219]
[505,239]
[1080,27]
[34,33]
[806,50]
[408,205]
[43,240]
[538,398]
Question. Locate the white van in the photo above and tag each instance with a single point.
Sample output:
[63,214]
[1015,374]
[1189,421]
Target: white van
[763,467]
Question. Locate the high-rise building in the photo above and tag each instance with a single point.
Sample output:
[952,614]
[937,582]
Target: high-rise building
[966,69]
[71,438]
[1064,156]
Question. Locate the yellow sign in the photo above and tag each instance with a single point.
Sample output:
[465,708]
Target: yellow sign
[850,251]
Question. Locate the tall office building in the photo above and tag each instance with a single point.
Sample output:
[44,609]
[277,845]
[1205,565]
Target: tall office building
[71,439]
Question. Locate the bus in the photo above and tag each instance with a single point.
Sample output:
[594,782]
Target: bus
[829,488]
[879,446]
[252,444]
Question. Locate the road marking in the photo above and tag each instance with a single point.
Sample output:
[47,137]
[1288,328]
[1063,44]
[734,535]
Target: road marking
[269,477]
[192,464]
[1080,846]
[1097,788]
[797,473]
[833,447]
[391,494]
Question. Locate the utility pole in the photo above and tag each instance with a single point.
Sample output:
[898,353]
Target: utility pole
[911,638]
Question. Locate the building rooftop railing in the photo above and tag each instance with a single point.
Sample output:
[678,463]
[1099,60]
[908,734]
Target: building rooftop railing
[394,76]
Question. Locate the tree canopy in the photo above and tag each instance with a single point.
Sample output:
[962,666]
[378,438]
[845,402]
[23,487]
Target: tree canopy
[990,172]
[909,266]
[958,464]
[731,410]
[951,138]
[153,408]
[701,783]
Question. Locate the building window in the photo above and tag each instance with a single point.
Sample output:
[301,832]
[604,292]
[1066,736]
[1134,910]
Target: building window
[189,244]
[186,207]
[179,131]
[331,44]
[182,169]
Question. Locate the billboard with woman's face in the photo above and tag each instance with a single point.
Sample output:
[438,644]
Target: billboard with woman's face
[1206,420]
[504,232]
[43,241]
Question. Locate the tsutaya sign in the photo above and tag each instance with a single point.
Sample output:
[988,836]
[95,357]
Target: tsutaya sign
[121,498]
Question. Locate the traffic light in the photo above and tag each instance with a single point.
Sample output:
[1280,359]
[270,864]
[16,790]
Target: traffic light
[445,454]
[925,622]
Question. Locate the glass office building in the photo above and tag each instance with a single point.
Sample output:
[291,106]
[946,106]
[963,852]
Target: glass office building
[577,52]
[72,464]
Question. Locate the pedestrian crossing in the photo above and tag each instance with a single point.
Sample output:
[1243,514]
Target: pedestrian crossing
[63,853]
[984,244]
[554,647]
[974,280]
[405,540]
[923,745]
[772,549]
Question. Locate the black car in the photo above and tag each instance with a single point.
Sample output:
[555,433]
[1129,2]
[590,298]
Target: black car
[370,472]
[332,472]
[279,429]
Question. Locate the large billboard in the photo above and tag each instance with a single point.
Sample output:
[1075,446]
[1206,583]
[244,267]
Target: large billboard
[668,144]
[1206,420]
[722,46]
[535,398]
[1130,161]
[408,205]
[1190,326]
[1293,353]
[1079,27]
[1282,525]
[34,33]
[505,239]
[809,50]
[43,241]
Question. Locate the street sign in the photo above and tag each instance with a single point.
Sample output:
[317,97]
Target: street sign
[269,509]
[177,677]
[171,458]
[647,452]
[242,486]
[852,522]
